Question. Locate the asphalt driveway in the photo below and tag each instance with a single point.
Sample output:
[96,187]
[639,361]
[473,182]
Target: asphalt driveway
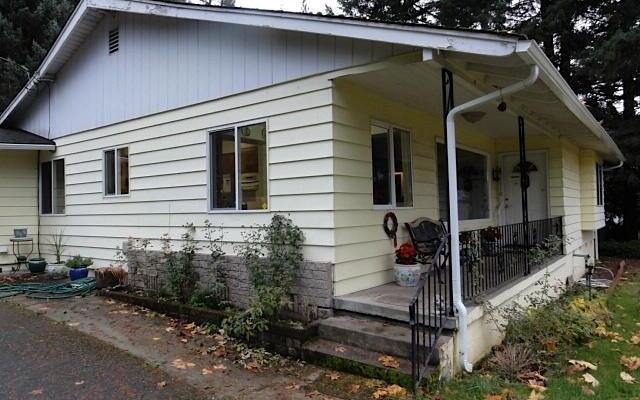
[42,359]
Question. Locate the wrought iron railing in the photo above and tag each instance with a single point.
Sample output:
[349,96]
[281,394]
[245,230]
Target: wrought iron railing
[493,256]
[428,311]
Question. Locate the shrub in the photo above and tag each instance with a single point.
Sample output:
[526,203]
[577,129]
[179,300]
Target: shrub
[613,248]
[511,361]
[545,322]
[182,277]
[79,262]
[273,255]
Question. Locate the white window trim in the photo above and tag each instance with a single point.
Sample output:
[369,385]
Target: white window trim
[116,172]
[238,208]
[392,186]
[52,214]
[482,221]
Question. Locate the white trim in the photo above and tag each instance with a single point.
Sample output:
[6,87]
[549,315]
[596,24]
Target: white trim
[489,168]
[392,181]
[25,146]
[481,43]
[411,35]
[52,213]
[117,182]
[238,181]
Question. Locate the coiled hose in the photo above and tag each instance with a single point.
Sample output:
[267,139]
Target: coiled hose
[49,291]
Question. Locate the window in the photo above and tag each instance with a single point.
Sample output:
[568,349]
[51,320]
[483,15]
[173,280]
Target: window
[238,168]
[52,190]
[599,185]
[391,166]
[116,171]
[473,184]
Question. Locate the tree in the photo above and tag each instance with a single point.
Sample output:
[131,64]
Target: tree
[594,44]
[27,30]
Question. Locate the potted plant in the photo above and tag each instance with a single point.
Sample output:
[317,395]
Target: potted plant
[59,244]
[406,269]
[37,265]
[78,267]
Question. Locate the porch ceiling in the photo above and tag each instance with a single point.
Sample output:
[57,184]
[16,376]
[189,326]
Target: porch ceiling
[418,85]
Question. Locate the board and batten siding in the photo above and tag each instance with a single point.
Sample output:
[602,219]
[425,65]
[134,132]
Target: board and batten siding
[165,63]
[18,199]
[168,173]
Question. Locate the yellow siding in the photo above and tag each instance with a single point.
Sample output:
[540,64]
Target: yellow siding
[168,172]
[18,198]
[592,214]
[363,253]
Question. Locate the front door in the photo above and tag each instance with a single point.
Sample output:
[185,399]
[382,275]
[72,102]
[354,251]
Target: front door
[537,193]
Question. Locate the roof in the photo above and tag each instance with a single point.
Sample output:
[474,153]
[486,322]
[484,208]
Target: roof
[23,140]
[444,41]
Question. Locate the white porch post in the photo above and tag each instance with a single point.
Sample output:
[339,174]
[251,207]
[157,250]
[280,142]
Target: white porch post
[454,223]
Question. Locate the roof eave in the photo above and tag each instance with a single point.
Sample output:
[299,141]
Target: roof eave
[531,53]
[26,146]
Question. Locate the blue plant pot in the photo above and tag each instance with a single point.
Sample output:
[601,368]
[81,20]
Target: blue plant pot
[78,273]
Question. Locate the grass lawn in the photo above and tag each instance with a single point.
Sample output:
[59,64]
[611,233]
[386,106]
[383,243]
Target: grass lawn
[604,352]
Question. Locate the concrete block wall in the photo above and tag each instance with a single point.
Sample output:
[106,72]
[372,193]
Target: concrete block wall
[312,287]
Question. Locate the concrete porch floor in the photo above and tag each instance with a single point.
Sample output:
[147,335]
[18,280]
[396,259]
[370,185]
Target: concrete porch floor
[389,301]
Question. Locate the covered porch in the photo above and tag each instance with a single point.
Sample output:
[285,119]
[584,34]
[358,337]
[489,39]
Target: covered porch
[19,204]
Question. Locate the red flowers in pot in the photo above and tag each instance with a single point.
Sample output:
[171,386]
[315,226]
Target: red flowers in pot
[406,254]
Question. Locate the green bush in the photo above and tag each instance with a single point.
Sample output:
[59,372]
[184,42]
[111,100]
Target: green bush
[613,248]
[79,262]
[273,255]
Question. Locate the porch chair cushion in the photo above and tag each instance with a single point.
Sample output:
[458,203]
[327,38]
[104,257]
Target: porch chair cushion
[426,236]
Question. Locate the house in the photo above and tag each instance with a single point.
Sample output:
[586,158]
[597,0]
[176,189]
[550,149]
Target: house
[147,115]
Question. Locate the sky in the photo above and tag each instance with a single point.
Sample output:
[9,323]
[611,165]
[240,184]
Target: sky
[288,5]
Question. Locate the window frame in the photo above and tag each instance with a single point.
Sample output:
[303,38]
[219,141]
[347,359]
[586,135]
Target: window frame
[599,185]
[118,184]
[238,191]
[52,213]
[488,179]
[392,186]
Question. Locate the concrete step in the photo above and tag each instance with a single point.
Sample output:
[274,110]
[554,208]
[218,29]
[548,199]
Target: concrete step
[372,334]
[366,305]
[356,360]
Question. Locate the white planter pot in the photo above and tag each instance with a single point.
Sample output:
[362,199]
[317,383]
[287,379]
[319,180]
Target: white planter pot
[57,269]
[407,274]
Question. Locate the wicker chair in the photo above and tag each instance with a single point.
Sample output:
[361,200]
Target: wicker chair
[426,236]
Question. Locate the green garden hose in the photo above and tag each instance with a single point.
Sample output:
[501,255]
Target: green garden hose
[47,291]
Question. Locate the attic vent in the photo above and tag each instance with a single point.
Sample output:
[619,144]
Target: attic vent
[114,40]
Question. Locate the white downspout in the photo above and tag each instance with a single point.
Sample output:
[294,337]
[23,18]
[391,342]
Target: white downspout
[454,228]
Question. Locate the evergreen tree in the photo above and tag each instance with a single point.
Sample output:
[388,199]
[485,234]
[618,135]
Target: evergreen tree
[27,30]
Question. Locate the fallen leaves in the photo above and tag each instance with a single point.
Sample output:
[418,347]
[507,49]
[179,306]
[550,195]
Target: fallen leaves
[631,362]
[162,384]
[534,395]
[334,376]
[590,379]
[626,378]
[340,349]
[389,362]
[79,383]
[206,371]
[292,386]
[170,329]
[587,391]
[635,339]
[219,367]
[72,324]
[36,392]
[583,365]
[389,391]
[180,364]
